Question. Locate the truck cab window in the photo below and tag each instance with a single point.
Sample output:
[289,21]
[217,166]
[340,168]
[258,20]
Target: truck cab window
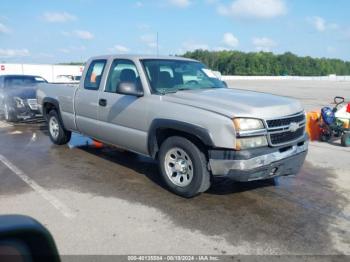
[122,71]
[94,75]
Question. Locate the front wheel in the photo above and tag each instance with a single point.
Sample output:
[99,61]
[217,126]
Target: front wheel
[57,133]
[183,167]
[9,115]
[345,140]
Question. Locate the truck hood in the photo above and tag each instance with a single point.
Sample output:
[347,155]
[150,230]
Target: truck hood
[237,103]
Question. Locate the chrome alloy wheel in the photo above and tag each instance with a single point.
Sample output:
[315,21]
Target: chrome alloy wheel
[178,167]
[54,128]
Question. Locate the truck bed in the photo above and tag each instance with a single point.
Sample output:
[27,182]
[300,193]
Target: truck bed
[64,93]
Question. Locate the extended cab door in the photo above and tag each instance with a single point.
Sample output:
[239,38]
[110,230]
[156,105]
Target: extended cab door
[87,99]
[123,117]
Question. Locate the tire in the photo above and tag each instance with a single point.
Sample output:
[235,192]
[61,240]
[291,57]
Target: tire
[325,137]
[183,167]
[345,140]
[57,134]
[9,115]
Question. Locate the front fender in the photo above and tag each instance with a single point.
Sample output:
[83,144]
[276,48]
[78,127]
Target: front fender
[199,132]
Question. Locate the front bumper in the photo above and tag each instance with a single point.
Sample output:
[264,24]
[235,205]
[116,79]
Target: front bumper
[259,164]
[25,112]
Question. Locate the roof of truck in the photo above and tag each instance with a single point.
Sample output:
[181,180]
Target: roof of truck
[140,57]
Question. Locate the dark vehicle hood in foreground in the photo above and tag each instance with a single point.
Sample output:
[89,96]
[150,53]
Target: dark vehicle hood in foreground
[28,92]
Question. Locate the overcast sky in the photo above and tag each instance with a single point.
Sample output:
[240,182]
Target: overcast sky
[41,31]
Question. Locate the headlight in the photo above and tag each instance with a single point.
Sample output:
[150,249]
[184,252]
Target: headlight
[19,102]
[247,124]
[251,142]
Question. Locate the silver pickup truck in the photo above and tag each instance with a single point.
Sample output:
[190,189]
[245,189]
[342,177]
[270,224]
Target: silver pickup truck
[177,111]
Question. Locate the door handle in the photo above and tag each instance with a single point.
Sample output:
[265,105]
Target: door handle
[102,102]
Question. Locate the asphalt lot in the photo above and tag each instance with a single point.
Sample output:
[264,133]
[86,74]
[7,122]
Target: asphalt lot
[105,201]
[313,94]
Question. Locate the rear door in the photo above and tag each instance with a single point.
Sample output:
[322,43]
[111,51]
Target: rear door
[87,99]
[123,117]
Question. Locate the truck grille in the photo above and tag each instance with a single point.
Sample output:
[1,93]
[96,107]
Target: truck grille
[285,130]
[285,121]
[33,104]
[285,137]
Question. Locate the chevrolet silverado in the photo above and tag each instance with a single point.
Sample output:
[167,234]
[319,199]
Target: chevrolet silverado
[178,112]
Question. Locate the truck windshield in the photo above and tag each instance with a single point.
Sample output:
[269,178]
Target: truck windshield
[170,76]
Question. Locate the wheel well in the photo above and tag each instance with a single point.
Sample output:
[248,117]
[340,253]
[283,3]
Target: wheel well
[47,108]
[163,133]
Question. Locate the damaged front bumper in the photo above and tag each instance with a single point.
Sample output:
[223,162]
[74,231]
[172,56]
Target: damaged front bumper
[258,164]
[28,110]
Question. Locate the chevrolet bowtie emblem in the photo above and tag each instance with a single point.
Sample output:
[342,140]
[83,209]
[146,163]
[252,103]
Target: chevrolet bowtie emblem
[293,127]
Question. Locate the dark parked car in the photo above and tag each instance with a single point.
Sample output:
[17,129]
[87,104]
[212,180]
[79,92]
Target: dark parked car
[18,96]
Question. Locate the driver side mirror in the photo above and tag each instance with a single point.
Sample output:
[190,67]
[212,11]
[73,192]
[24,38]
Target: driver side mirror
[129,88]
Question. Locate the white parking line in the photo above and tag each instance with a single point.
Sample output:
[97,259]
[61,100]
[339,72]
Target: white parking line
[66,211]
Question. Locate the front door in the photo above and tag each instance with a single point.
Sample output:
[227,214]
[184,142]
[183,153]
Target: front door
[123,117]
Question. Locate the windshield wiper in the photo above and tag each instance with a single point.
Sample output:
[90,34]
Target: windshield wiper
[163,92]
[184,89]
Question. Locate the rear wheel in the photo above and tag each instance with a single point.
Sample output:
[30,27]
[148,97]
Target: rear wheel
[183,167]
[57,133]
[345,140]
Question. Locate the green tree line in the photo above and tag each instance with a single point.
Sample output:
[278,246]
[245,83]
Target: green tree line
[73,63]
[269,64]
